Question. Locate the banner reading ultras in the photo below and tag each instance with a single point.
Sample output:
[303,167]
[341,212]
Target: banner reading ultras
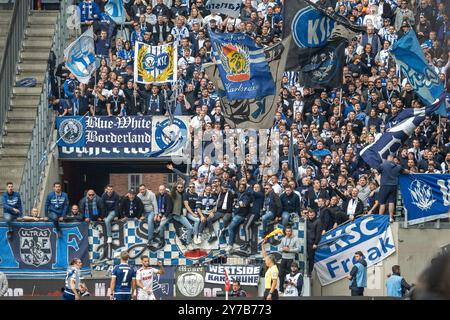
[372,235]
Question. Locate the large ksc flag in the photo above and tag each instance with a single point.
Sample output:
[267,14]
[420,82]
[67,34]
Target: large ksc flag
[409,56]
[155,63]
[116,10]
[80,56]
[230,8]
[318,43]
[370,234]
[242,66]
[426,197]
[401,128]
[252,113]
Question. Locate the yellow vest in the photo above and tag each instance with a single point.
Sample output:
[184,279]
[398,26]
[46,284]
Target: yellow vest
[271,274]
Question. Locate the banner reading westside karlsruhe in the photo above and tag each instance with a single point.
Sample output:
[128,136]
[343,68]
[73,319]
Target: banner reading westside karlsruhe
[426,197]
[247,275]
[155,64]
[253,113]
[80,56]
[370,234]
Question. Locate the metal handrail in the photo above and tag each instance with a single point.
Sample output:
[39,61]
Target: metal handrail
[11,56]
[40,150]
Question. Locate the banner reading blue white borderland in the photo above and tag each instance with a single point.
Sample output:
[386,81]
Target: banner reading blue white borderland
[370,234]
[123,137]
[35,250]
[426,197]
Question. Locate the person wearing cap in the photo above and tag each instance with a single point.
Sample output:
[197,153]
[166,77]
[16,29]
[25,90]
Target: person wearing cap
[358,275]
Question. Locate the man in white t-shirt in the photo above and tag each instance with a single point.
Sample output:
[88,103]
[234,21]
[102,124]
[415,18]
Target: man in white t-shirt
[144,279]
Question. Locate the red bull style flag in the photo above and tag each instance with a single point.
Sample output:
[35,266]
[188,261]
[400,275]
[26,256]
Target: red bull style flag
[242,66]
[155,64]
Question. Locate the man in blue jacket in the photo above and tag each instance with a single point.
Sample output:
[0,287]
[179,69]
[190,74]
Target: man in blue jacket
[89,14]
[12,206]
[358,275]
[396,285]
[56,206]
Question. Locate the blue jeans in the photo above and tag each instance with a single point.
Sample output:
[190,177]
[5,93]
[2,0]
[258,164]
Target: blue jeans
[53,217]
[285,218]
[181,219]
[266,218]
[196,221]
[151,225]
[234,224]
[108,222]
[9,219]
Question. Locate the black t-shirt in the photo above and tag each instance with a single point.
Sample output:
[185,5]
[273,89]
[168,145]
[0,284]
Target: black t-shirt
[116,102]
[191,198]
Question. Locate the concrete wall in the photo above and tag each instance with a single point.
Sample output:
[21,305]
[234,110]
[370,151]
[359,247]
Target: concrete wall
[414,250]
[52,174]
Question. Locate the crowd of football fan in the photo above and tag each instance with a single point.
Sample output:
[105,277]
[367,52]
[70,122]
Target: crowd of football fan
[328,128]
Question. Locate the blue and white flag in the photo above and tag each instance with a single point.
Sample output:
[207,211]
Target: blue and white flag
[370,234]
[425,81]
[399,130]
[169,138]
[426,197]
[155,64]
[242,66]
[80,56]
[230,8]
[116,10]
[71,131]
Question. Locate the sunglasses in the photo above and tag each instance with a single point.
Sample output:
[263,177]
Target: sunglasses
[91,195]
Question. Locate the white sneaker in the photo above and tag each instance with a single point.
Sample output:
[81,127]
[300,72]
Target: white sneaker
[228,248]
[190,247]
[197,240]
[109,240]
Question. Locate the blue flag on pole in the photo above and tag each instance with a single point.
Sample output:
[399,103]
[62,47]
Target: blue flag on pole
[242,66]
[401,128]
[116,10]
[426,197]
[71,131]
[425,81]
[80,56]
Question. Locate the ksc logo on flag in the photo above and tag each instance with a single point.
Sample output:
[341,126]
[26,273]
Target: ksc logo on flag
[318,28]
[372,235]
[71,131]
[155,63]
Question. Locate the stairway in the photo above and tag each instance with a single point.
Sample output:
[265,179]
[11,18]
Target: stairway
[5,18]
[24,101]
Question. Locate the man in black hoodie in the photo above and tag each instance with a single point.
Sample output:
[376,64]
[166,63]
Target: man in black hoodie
[313,235]
[131,207]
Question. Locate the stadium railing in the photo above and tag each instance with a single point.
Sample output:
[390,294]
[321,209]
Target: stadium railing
[11,55]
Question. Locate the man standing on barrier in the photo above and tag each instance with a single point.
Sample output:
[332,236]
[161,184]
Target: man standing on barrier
[358,275]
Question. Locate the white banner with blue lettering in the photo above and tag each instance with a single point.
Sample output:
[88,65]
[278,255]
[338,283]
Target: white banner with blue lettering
[426,197]
[370,234]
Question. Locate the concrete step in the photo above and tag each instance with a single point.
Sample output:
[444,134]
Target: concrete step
[41,20]
[16,140]
[29,66]
[40,31]
[44,13]
[24,102]
[16,114]
[25,91]
[31,55]
[33,43]
[23,127]
[14,152]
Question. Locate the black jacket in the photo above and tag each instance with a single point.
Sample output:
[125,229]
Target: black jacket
[166,202]
[272,203]
[346,202]
[229,204]
[126,205]
[89,211]
[313,231]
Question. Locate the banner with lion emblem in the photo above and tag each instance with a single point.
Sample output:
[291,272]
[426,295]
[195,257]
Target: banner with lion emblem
[155,64]
[242,66]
